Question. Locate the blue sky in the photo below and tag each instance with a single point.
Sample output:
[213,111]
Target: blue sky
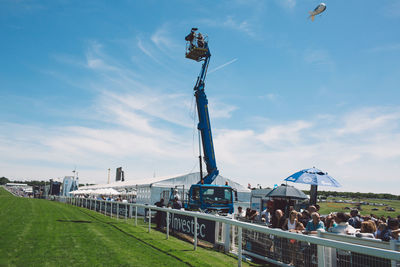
[99,84]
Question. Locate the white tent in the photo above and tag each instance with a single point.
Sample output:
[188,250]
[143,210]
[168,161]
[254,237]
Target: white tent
[149,191]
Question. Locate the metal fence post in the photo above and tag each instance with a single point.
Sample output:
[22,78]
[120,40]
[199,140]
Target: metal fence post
[167,224]
[126,212]
[135,215]
[195,233]
[111,210]
[392,245]
[149,219]
[320,252]
[130,211]
[239,236]
[117,210]
[227,237]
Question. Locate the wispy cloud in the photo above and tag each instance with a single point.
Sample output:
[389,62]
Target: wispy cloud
[392,10]
[270,96]
[146,50]
[162,38]
[368,119]
[318,57]
[232,23]
[223,65]
[288,4]
[243,26]
[220,109]
[385,48]
[288,134]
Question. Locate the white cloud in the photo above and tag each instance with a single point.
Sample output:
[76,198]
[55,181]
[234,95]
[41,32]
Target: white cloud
[219,109]
[318,57]
[368,119]
[361,159]
[231,22]
[394,47]
[289,4]
[288,134]
[270,96]
[146,50]
[243,25]
[162,38]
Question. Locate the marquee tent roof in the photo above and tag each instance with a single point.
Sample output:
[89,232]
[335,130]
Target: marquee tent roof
[168,181]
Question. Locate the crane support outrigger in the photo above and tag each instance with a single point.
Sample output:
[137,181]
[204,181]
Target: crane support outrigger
[204,195]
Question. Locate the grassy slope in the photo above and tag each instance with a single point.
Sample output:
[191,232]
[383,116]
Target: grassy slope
[328,207]
[32,235]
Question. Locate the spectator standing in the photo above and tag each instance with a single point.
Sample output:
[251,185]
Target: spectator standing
[177,204]
[291,222]
[392,230]
[278,220]
[241,213]
[330,222]
[342,226]
[355,219]
[367,230]
[312,209]
[305,217]
[315,224]
[265,214]
[381,227]
[159,213]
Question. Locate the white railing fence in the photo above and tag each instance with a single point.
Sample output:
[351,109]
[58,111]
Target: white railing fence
[256,241]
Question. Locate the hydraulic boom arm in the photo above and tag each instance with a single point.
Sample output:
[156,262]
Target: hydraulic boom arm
[204,121]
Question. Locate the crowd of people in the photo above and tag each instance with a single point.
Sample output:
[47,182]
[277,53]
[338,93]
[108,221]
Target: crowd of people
[19,191]
[309,221]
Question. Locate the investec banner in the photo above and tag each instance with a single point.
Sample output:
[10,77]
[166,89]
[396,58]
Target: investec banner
[185,224]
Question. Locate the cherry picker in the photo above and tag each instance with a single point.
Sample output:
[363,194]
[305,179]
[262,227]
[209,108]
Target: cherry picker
[204,195]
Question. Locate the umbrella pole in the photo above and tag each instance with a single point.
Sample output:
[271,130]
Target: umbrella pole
[313,194]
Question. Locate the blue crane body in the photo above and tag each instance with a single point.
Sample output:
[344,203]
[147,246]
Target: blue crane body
[204,195]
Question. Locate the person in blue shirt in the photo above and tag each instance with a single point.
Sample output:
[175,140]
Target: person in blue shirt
[315,224]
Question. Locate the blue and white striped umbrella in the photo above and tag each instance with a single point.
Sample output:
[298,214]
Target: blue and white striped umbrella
[313,176]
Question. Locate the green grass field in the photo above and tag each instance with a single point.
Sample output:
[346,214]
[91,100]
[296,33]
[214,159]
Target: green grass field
[35,232]
[327,207]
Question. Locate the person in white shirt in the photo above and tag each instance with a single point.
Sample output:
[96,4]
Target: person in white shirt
[241,213]
[265,214]
[342,226]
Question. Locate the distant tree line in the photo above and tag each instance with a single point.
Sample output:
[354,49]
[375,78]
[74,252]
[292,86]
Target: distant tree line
[4,180]
[355,195]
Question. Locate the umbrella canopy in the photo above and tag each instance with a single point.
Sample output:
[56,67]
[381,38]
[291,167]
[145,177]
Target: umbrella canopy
[313,176]
[287,191]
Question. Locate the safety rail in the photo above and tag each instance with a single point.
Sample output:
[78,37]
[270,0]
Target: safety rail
[257,241]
